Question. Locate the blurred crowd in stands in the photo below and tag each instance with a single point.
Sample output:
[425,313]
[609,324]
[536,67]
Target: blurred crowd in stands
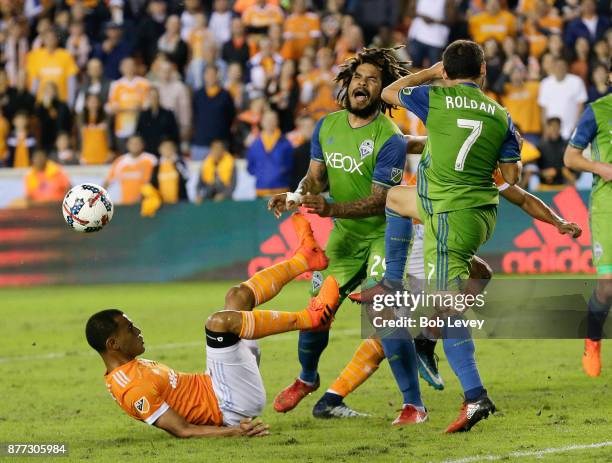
[150,84]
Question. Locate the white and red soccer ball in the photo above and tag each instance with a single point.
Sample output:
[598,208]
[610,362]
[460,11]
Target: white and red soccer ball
[87,208]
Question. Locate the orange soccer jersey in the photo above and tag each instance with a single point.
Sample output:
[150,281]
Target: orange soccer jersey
[56,67]
[146,389]
[300,31]
[132,173]
[484,26]
[126,98]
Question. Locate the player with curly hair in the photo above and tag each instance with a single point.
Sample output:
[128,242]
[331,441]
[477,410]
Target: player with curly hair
[359,153]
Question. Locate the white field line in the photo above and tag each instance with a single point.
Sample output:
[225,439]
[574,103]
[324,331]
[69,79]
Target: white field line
[531,453]
[170,346]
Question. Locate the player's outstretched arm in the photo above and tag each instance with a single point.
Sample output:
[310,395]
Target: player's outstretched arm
[314,182]
[390,93]
[538,209]
[366,207]
[574,159]
[176,425]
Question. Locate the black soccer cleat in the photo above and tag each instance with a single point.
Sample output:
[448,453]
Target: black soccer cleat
[324,410]
[471,413]
[427,362]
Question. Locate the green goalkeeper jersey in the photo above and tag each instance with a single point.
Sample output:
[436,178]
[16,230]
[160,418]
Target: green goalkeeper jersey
[468,134]
[354,159]
[595,127]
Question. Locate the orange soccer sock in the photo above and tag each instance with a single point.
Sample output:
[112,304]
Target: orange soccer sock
[364,363]
[268,282]
[260,323]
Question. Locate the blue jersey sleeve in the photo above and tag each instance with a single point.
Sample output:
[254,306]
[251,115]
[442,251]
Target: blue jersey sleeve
[316,152]
[416,99]
[585,130]
[511,149]
[389,168]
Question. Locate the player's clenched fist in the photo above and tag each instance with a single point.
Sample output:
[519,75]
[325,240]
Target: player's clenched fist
[253,428]
[316,204]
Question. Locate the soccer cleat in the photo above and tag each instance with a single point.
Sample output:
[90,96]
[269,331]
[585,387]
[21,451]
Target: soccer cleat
[292,395]
[324,305]
[366,296]
[324,411]
[410,415]
[309,248]
[591,359]
[427,362]
[471,413]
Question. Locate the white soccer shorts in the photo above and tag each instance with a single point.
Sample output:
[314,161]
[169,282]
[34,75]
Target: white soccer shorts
[236,381]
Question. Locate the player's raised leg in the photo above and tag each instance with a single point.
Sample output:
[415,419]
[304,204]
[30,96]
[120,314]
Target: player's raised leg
[267,283]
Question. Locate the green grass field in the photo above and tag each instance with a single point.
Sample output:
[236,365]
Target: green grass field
[53,390]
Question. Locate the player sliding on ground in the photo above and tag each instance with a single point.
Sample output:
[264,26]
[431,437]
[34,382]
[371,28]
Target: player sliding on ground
[225,400]
[360,154]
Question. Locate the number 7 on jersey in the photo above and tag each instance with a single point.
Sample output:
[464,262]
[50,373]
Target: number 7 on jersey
[476,127]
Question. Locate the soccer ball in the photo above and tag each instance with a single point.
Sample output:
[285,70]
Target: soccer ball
[87,208]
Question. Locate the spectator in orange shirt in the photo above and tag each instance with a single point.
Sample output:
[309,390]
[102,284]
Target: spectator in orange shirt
[261,15]
[301,29]
[580,61]
[127,97]
[318,91]
[52,64]
[94,132]
[520,97]
[45,182]
[5,128]
[539,25]
[21,142]
[241,5]
[132,170]
[492,23]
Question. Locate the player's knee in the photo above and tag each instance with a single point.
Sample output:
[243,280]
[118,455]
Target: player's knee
[604,290]
[239,298]
[224,321]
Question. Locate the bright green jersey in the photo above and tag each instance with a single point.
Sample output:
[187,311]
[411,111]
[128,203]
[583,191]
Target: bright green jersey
[595,127]
[356,158]
[468,133]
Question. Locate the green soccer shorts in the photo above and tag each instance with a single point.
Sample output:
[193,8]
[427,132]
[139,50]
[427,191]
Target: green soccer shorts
[351,260]
[451,239]
[602,243]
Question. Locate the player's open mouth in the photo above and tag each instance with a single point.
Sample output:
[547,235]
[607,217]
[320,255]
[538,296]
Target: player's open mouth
[361,95]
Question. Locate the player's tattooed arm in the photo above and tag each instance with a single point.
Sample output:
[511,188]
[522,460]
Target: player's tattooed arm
[176,425]
[537,209]
[314,183]
[365,207]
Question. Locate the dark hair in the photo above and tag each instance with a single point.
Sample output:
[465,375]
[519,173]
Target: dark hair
[550,120]
[463,59]
[100,327]
[100,114]
[384,59]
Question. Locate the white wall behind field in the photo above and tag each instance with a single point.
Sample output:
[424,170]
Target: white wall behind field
[12,183]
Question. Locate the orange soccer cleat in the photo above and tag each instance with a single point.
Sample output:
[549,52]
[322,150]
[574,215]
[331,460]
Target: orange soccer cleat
[309,248]
[324,305]
[591,359]
[410,415]
[291,396]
